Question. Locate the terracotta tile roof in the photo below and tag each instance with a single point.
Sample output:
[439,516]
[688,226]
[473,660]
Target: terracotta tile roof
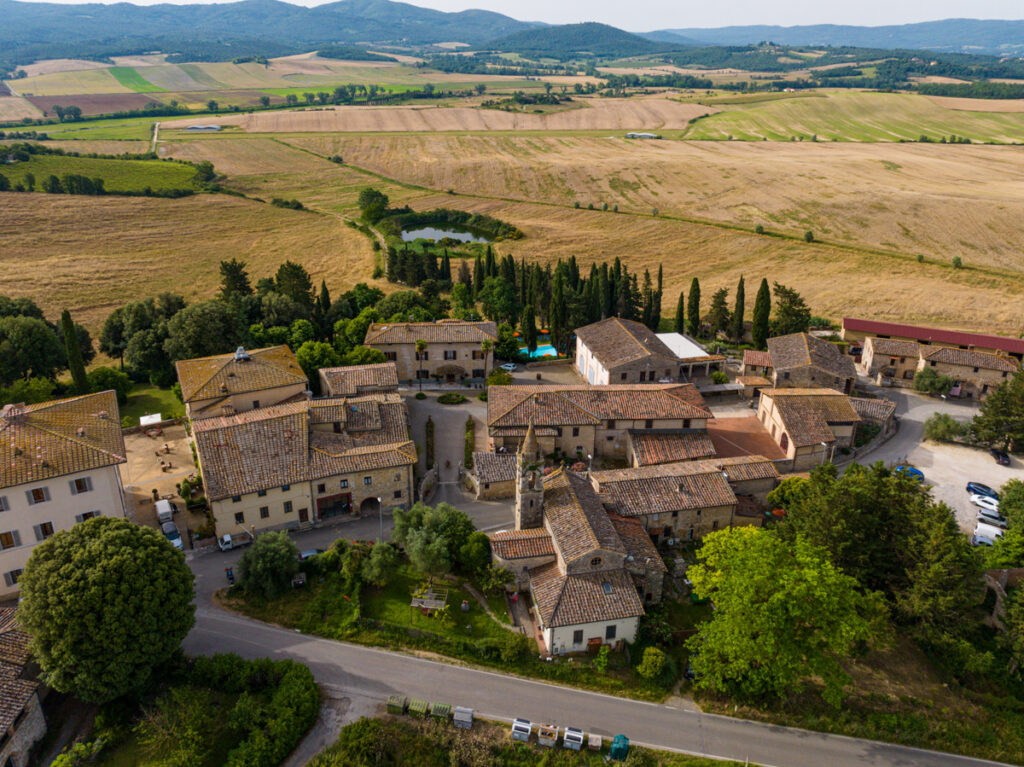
[971,359]
[522,544]
[576,518]
[616,341]
[892,347]
[757,358]
[577,599]
[66,436]
[876,410]
[212,377]
[664,488]
[753,381]
[275,446]
[443,332]
[801,349]
[747,467]
[934,335]
[580,405]
[667,447]
[807,413]
[15,692]
[494,467]
[638,543]
[359,379]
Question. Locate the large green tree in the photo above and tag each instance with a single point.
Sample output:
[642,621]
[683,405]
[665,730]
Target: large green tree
[1000,421]
[267,566]
[784,614]
[201,330]
[234,280]
[105,603]
[312,356]
[73,350]
[792,315]
[28,349]
[293,280]
[718,314]
[693,309]
[434,537]
[762,316]
[528,329]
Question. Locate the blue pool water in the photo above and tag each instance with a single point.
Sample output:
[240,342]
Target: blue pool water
[540,351]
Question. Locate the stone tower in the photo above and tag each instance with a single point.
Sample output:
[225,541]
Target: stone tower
[529,484]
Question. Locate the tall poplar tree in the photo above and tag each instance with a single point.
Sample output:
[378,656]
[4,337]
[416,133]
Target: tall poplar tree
[736,326]
[762,315]
[681,313]
[693,309]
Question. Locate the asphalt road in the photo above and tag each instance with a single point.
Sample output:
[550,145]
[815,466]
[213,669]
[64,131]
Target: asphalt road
[374,674]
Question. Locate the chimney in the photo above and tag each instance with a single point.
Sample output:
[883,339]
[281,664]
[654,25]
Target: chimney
[13,412]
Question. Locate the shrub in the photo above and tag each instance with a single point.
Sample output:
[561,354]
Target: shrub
[429,429]
[808,236]
[278,202]
[590,206]
[942,427]
[958,262]
[451,398]
[601,661]
[930,382]
[499,377]
[920,258]
[576,204]
[482,396]
[653,663]
[420,395]
[470,442]
[718,377]
[759,229]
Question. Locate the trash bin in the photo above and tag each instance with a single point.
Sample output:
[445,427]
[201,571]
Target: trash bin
[620,748]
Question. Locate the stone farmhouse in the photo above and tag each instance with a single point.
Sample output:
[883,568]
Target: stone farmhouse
[808,424]
[802,361]
[757,363]
[582,420]
[58,467]
[456,350]
[618,351]
[891,360]
[493,475]
[22,722]
[857,331]
[974,373]
[287,465]
[356,380]
[245,380]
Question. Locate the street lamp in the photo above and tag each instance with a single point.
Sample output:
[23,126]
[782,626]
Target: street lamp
[824,452]
[380,516]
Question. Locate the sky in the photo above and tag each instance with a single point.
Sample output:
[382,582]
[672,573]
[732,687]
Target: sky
[648,15]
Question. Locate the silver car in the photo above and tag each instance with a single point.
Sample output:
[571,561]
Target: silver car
[171,533]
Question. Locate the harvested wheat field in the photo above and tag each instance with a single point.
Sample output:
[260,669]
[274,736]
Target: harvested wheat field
[50,66]
[936,200]
[979,105]
[62,83]
[245,156]
[597,114]
[91,255]
[16,108]
[100,147]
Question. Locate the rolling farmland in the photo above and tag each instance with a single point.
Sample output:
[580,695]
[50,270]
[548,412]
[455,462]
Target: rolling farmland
[117,175]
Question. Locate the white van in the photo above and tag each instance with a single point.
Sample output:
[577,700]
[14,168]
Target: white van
[165,511]
[991,532]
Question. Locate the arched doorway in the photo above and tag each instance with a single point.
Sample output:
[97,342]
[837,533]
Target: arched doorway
[369,506]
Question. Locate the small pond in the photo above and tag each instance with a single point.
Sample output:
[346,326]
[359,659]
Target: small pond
[452,232]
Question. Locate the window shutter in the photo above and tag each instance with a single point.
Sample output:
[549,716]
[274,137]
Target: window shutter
[79,518]
[88,483]
[8,580]
[3,503]
[74,490]
[31,500]
[17,537]
[38,531]
[46,493]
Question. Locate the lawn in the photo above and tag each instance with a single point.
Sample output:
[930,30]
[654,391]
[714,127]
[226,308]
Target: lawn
[127,129]
[117,175]
[146,398]
[129,77]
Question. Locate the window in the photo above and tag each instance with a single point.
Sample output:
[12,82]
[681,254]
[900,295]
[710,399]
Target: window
[84,484]
[423,356]
[398,494]
[975,370]
[714,525]
[337,427]
[423,374]
[264,512]
[43,530]
[287,507]
[577,636]
[477,354]
[689,534]
[686,423]
[933,363]
[450,354]
[321,488]
[255,404]
[648,424]
[239,518]
[575,431]
[675,515]
[285,488]
[622,377]
[595,562]
[607,588]
[38,495]
[236,498]
[367,480]
[391,356]
[609,632]
[261,493]
[344,484]
[86,515]
[479,373]
[11,576]
[398,478]
[558,430]
[4,505]
[785,376]
[1,499]
[609,438]
[10,539]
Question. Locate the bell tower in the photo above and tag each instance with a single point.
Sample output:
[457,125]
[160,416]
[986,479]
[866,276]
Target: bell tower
[529,484]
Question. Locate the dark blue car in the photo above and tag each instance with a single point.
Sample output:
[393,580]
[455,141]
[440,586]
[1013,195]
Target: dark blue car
[976,488]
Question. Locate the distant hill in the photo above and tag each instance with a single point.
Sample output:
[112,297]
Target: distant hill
[568,40]
[43,30]
[950,35]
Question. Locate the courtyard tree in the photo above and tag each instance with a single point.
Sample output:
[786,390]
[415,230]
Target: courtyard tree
[380,565]
[792,315]
[928,381]
[762,311]
[434,537]
[784,614]
[267,567]
[1000,421]
[105,603]
[312,356]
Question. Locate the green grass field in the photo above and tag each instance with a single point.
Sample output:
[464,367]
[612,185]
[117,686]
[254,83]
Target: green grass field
[118,175]
[853,116]
[129,77]
[145,399]
[128,129]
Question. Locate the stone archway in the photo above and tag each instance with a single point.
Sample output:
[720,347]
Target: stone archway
[369,506]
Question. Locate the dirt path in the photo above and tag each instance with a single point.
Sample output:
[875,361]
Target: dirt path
[156,136]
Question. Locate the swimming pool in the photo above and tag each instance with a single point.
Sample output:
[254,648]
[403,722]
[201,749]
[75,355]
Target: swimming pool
[540,351]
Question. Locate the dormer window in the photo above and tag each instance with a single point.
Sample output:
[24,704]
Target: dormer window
[607,590]
[595,562]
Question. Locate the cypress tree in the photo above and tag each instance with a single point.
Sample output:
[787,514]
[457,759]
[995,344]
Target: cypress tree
[74,353]
[736,326]
[528,329]
[656,318]
[478,276]
[446,267]
[762,313]
[681,313]
[693,309]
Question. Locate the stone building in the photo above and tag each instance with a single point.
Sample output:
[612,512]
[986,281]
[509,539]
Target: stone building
[646,448]
[288,465]
[974,373]
[58,467]
[356,380]
[808,424]
[582,420]
[493,475]
[890,360]
[456,350]
[857,331]
[22,723]
[802,361]
[244,380]
[757,363]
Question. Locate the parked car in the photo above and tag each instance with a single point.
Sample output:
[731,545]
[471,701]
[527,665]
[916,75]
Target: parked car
[985,530]
[976,488]
[509,366]
[985,502]
[911,472]
[308,553]
[230,541]
[992,518]
[981,540]
[171,533]
[1001,456]
[165,511]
